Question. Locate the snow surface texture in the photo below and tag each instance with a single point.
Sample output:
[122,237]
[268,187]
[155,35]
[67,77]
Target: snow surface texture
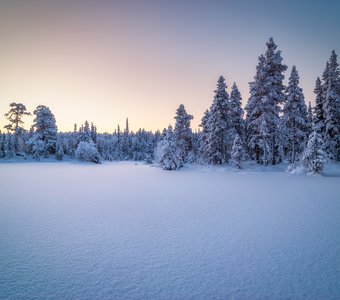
[126,231]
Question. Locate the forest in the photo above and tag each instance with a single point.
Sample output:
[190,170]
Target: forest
[275,126]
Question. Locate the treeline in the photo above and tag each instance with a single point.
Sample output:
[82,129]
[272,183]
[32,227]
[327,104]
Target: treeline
[276,126]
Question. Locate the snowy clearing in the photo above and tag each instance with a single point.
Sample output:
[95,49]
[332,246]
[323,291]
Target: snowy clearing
[127,231]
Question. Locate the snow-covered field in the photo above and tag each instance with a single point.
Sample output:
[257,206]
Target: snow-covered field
[124,231]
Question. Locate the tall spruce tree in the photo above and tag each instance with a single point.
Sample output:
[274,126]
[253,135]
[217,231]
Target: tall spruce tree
[236,121]
[45,132]
[331,105]
[202,138]
[217,139]
[254,112]
[295,118]
[183,132]
[319,114]
[263,108]
[310,117]
[14,116]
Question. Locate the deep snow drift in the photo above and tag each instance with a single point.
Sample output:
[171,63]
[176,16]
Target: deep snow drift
[126,231]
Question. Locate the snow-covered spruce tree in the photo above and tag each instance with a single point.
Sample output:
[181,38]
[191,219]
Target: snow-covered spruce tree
[310,118]
[194,154]
[295,118]
[86,148]
[14,116]
[85,133]
[93,133]
[9,146]
[183,133]
[237,152]
[266,96]
[2,145]
[217,137]
[59,155]
[43,141]
[126,143]
[87,151]
[319,114]
[314,156]
[257,133]
[236,113]
[331,96]
[166,152]
[36,147]
[202,138]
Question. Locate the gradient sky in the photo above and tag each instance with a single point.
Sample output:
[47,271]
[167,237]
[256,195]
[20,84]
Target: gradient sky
[104,61]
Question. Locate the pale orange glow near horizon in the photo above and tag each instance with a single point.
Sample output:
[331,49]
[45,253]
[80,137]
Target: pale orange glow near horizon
[105,62]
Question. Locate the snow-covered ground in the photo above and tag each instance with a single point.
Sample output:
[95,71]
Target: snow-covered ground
[124,231]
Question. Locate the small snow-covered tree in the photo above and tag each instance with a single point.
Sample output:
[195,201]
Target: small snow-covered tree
[2,145]
[9,146]
[183,133]
[59,155]
[85,133]
[237,152]
[38,147]
[314,156]
[167,153]
[87,151]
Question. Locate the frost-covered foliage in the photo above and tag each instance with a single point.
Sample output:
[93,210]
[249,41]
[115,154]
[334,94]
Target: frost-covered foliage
[85,133]
[310,118]
[295,118]
[14,116]
[216,139]
[263,108]
[2,145]
[202,139]
[319,113]
[183,133]
[9,149]
[87,151]
[236,121]
[38,147]
[314,156]
[44,138]
[59,150]
[167,153]
[331,104]
[276,126]
[237,152]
